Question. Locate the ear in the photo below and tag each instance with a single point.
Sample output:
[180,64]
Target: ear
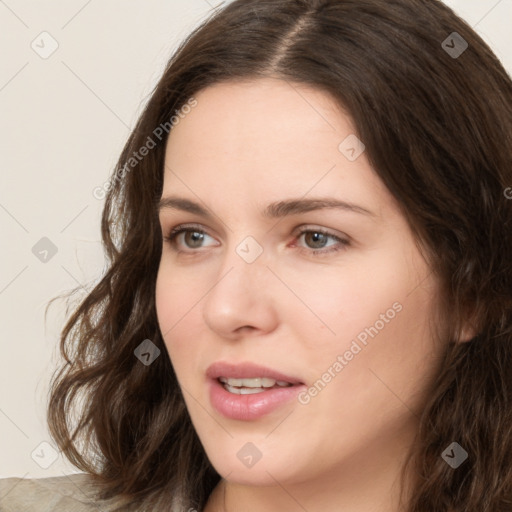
[468,333]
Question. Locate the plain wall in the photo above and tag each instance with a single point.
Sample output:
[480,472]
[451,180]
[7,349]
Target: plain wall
[64,120]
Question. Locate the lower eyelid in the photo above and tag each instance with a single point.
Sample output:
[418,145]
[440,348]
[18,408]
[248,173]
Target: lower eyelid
[176,232]
[339,245]
[332,236]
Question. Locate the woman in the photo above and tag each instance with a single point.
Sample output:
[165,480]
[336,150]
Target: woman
[309,298]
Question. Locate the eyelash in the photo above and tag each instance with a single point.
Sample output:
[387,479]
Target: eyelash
[171,239]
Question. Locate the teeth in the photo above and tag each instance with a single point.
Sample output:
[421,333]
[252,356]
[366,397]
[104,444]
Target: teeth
[256,383]
[243,391]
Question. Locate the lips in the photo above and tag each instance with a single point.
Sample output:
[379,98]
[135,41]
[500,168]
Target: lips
[253,406]
[248,371]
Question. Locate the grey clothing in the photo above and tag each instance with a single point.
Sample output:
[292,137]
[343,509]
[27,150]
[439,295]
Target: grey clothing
[68,493]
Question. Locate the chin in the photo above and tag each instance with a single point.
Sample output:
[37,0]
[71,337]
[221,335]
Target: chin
[248,463]
[259,475]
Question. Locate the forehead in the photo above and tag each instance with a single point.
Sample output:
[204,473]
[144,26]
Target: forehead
[265,137]
[273,111]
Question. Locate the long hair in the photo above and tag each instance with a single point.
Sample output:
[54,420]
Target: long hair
[434,110]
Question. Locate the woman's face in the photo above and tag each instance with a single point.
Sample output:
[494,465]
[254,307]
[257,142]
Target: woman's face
[342,309]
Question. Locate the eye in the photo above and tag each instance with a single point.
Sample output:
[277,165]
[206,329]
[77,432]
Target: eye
[317,238]
[193,237]
[196,238]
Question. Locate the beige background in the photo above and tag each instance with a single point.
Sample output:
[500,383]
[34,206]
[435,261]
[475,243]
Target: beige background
[63,122]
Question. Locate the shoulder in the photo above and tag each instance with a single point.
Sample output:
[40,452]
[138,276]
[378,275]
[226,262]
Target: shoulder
[68,493]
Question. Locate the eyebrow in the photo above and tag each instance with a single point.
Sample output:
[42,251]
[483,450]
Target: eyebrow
[272,211]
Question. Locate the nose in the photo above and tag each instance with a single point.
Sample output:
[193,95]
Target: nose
[242,300]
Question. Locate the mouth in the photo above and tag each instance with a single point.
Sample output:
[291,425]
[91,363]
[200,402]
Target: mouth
[253,385]
[249,376]
[247,391]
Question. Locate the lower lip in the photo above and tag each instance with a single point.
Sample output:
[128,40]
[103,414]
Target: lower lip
[252,406]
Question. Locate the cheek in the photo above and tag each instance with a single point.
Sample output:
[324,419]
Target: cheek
[344,300]
[177,296]
[375,312]
[177,320]
[389,355]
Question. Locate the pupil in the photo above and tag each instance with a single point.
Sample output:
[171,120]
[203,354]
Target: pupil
[196,237]
[316,236]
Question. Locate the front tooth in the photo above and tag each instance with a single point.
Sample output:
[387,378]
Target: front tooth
[250,391]
[234,382]
[250,383]
[243,391]
[258,382]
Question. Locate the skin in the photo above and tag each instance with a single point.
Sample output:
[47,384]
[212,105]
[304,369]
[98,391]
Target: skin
[244,145]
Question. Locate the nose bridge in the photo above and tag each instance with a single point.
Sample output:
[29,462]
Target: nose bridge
[241,296]
[244,267]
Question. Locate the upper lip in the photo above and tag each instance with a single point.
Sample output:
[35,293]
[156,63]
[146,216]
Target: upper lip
[246,371]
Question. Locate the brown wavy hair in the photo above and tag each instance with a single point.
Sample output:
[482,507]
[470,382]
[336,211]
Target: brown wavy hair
[438,132]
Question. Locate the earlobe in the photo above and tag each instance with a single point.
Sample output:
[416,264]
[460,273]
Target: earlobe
[467,333]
